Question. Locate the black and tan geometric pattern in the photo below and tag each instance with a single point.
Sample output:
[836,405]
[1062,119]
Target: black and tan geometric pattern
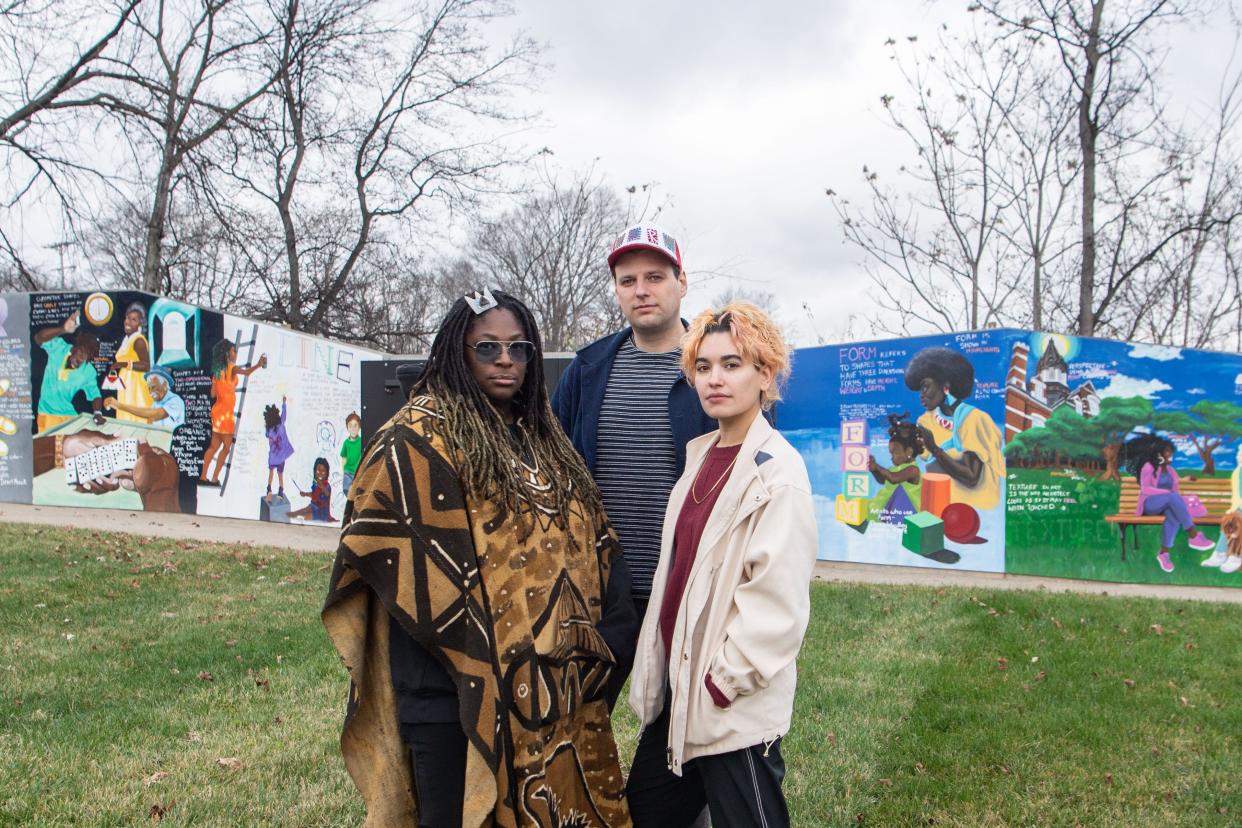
[508,603]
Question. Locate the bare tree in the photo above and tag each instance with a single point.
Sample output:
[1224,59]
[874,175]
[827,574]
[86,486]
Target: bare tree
[52,50]
[959,273]
[551,251]
[378,122]
[1110,66]
[1072,203]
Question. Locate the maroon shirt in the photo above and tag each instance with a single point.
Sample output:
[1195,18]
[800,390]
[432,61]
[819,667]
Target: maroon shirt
[689,530]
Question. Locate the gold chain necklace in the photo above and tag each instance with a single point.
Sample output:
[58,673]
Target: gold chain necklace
[719,480]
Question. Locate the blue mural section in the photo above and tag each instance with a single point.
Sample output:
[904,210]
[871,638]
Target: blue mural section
[1024,452]
[904,445]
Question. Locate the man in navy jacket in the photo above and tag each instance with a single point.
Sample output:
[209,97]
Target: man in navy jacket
[625,404]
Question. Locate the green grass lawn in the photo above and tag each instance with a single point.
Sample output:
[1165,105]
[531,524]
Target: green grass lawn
[130,667]
[1072,540]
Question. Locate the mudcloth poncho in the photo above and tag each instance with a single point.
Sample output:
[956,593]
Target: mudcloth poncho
[507,603]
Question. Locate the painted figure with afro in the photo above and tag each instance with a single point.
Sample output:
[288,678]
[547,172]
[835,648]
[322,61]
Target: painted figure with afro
[961,440]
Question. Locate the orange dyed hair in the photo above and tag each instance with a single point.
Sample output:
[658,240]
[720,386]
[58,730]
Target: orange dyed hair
[757,337]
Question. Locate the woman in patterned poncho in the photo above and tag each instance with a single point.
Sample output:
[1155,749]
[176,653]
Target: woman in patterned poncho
[479,599]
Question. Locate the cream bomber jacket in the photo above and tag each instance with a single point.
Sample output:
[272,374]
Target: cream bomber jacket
[745,608]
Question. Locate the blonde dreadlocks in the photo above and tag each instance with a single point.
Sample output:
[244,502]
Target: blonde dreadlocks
[488,461]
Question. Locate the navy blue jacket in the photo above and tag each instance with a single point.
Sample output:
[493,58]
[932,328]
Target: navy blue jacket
[580,395]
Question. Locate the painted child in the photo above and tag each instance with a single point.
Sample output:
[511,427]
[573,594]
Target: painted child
[278,448]
[1221,556]
[905,444]
[224,374]
[351,451]
[320,507]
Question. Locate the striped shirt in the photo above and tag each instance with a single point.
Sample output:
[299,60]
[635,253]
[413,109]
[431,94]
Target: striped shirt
[635,456]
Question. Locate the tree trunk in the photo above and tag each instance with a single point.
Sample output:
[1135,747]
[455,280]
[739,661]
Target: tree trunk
[1087,133]
[157,220]
[1037,305]
[1112,458]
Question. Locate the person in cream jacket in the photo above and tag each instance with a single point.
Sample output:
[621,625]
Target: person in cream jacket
[715,675]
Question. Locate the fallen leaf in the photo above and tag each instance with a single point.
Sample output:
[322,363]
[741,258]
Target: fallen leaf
[888,783]
[148,781]
[157,812]
[194,736]
[832,737]
[229,763]
[1005,770]
[1041,675]
[1168,796]
[232,642]
[1190,645]
[1157,629]
[1185,701]
[1108,779]
[168,615]
[1002,663]
[918,766]
[206,676]
[1172,685]
[1129,682]
[261,683]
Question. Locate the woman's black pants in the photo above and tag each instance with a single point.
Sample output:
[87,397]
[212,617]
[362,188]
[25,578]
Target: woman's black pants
[741,788]
[438,760]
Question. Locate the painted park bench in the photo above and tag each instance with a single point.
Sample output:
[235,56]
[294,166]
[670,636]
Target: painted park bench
[1213,493]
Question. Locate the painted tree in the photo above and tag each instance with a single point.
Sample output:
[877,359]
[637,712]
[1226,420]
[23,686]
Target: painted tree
[1068,437]
[1208,424]
[1108,430]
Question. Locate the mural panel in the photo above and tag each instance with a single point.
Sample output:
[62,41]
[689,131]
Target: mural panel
[15,400]
[285,429]
[1123,461]
[141,402]
[904,445]
[1029,453]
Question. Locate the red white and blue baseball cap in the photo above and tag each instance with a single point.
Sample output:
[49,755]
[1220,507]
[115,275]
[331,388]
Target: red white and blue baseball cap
[646,237]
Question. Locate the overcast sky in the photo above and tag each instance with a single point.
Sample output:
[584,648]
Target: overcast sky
[744,113]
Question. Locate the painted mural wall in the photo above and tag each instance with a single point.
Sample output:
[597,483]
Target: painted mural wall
[996,451]
[132,401]
[1028,453]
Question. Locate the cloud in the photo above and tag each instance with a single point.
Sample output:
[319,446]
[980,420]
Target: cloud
[1124,386]
[1161,353]
[1197,391]
[1238,379]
